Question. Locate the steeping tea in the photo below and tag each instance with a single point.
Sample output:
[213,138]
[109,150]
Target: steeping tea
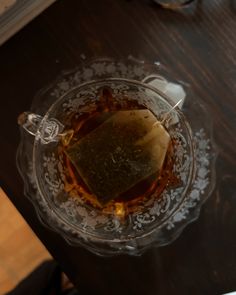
[117,155]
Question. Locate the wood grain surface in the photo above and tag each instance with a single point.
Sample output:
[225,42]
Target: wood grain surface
[20,251]
[199,45]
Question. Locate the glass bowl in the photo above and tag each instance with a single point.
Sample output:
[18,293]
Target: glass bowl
[155,222]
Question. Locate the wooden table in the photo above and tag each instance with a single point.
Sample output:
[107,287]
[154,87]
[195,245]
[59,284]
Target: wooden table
[200,46]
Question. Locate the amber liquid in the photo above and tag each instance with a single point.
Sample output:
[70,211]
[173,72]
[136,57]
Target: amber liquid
[130,200]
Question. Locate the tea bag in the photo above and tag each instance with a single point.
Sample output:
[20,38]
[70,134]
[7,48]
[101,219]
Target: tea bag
[125,149]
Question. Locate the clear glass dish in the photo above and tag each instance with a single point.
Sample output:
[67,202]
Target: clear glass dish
[157,222]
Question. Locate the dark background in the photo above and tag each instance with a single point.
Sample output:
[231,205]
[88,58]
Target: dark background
[199,45]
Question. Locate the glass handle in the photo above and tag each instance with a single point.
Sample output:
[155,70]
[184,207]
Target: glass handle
[50,132]
[175,92]
[30,122]
[150,78]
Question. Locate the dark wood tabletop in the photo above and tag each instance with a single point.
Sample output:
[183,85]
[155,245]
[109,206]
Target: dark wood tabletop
[199,45]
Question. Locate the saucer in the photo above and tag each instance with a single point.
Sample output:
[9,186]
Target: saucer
[205,156]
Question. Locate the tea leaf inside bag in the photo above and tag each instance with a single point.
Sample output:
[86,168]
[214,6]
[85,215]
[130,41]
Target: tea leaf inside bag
[125,149]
